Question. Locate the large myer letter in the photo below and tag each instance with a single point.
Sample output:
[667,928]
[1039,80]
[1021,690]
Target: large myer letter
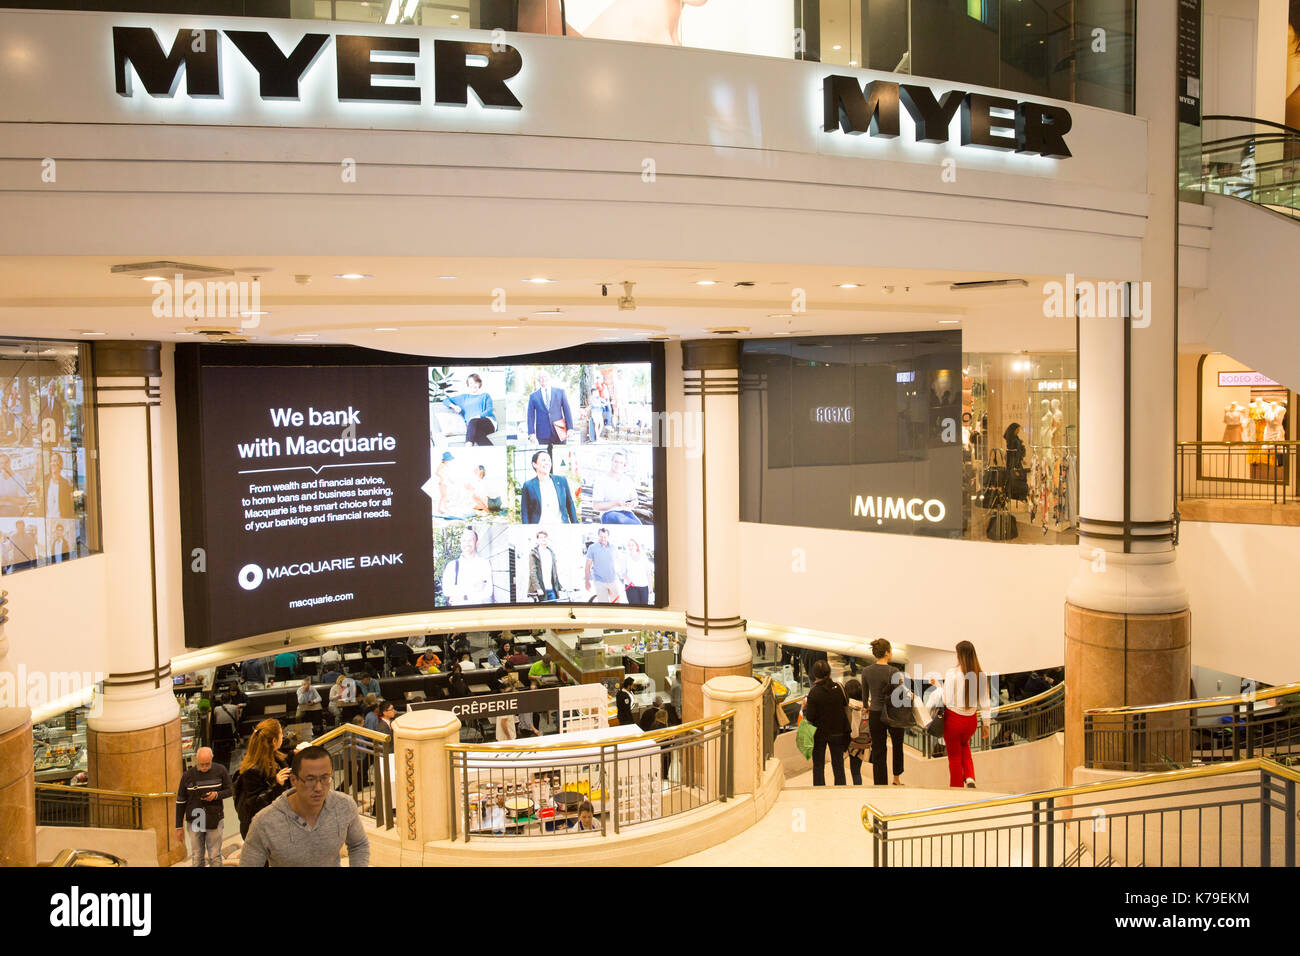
[278,74]
[847,107]
[454,76]
[357,70]
[161,72]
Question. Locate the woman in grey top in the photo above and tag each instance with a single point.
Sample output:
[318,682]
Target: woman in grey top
[880,679]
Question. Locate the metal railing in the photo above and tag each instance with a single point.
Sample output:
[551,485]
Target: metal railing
[1237,471]
[1019,722]
[1263,723]
[362,769]
[1251,159]
[547,791]
[1235,814]
[58,805]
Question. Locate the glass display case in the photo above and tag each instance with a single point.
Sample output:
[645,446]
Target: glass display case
[59,748]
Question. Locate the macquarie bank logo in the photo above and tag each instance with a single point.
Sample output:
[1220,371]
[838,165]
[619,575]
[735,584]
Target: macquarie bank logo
[458,66]
[251,576]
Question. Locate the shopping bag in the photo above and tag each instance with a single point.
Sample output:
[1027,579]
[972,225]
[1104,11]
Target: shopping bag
[803,738]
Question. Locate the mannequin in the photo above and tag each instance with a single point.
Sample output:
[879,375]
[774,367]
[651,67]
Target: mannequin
[1045,423]
[1058,422]
[1274,413]
[1257,412]
[1233,416]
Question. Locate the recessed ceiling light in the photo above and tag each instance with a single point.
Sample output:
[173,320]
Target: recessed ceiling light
[455,16]
[949,321]
[539,280]
[306,335]
[507,326]
[446,277]
[783,333]
[706,282]
[153,278]
[353,275]
[781,315]
[386,329]
[94,333]
[835,47]
[846,285]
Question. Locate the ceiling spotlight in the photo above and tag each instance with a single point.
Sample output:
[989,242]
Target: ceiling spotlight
[386,329]
[446,277]
[781,315]
[846,285]
[949,321]
[706,282]
[539,280]
[94,333]
[835,47]
[153,278]
[353,275]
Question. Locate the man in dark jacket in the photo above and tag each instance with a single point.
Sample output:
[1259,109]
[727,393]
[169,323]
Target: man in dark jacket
[825,708]
[199,799]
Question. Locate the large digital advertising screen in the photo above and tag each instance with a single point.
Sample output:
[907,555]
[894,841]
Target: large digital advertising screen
[330,484]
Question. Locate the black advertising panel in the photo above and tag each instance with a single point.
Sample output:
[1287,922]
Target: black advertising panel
[312,481]
[332,484]
[859,432]
[495,705]
[1189,62]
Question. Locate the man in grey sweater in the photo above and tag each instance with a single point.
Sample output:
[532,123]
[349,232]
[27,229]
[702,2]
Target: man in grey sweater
[308,825]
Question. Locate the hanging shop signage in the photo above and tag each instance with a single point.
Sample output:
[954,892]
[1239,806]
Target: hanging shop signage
[196,54]
[1253,379]
[496,705]
[991,122]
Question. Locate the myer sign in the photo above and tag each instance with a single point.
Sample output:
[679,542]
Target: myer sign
[991,122]
[910,509]
[197,54]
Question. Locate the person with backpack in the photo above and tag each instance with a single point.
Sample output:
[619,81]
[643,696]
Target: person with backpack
[826,708]
[965,695]
[882,680]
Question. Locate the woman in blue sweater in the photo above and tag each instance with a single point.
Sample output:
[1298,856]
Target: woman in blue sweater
[475,406]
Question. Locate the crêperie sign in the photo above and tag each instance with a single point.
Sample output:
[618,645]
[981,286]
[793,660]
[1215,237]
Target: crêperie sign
[991,122]
[280,74]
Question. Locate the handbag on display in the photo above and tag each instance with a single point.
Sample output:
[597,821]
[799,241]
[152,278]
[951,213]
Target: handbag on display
[1002,526]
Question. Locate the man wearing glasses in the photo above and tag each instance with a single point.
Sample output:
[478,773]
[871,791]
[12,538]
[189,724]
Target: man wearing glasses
[308,825]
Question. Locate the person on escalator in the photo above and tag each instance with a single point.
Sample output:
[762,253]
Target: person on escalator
[263,774]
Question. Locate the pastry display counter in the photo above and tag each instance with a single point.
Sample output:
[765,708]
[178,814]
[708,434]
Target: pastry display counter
[59,748]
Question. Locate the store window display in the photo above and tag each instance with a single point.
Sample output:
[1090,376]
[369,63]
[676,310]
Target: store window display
[47,509]
[1020,435]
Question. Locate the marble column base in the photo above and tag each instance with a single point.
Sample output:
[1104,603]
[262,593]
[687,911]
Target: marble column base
[1121,660]
[143,761]
[17,797]
[695,677]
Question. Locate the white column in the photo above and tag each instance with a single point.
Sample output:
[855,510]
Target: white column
[138,689]
[715,631]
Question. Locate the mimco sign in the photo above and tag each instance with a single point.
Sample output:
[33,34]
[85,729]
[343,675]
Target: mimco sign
[911,509]
[198,55]
[992,122]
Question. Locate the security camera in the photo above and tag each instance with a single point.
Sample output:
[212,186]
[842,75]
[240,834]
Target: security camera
[626,303]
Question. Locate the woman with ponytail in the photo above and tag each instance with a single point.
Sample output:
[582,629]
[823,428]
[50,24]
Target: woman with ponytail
[965,694]
[263,774]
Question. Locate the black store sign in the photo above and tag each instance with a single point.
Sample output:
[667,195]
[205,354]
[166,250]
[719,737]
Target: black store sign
[496,705]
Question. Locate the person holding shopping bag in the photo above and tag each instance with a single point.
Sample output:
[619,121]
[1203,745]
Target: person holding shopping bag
[859,735]
[882,680]
[965,694]
[827,709]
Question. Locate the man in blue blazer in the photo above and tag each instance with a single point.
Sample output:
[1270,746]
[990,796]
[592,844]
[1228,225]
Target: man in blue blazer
[546,498]
[550,420]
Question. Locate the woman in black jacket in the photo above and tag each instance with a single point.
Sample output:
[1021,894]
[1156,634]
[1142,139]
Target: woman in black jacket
[263,775]
[825,708]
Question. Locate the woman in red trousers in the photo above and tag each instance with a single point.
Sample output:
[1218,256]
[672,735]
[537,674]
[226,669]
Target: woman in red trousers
[965,694]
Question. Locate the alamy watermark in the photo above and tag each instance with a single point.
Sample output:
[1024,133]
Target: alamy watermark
[211,299]
[1097,300]
[36,689]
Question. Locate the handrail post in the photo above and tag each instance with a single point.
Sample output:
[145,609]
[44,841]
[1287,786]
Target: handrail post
[1051,842]
[604,789]
[1236,731]
[1087,740]
[1034,825]
[616,790]
[464,784]
[1265,819]
[1288,825]
[882,844]
[1141,741]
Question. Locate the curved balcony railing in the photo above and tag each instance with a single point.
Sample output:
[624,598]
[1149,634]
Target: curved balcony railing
[1238,471]
[1262,723]
[1019,722]
[1251,159]
[542,791]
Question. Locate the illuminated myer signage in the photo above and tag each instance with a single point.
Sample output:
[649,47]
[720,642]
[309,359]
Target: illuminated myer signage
[198,54]
[992,122]
[911,509]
